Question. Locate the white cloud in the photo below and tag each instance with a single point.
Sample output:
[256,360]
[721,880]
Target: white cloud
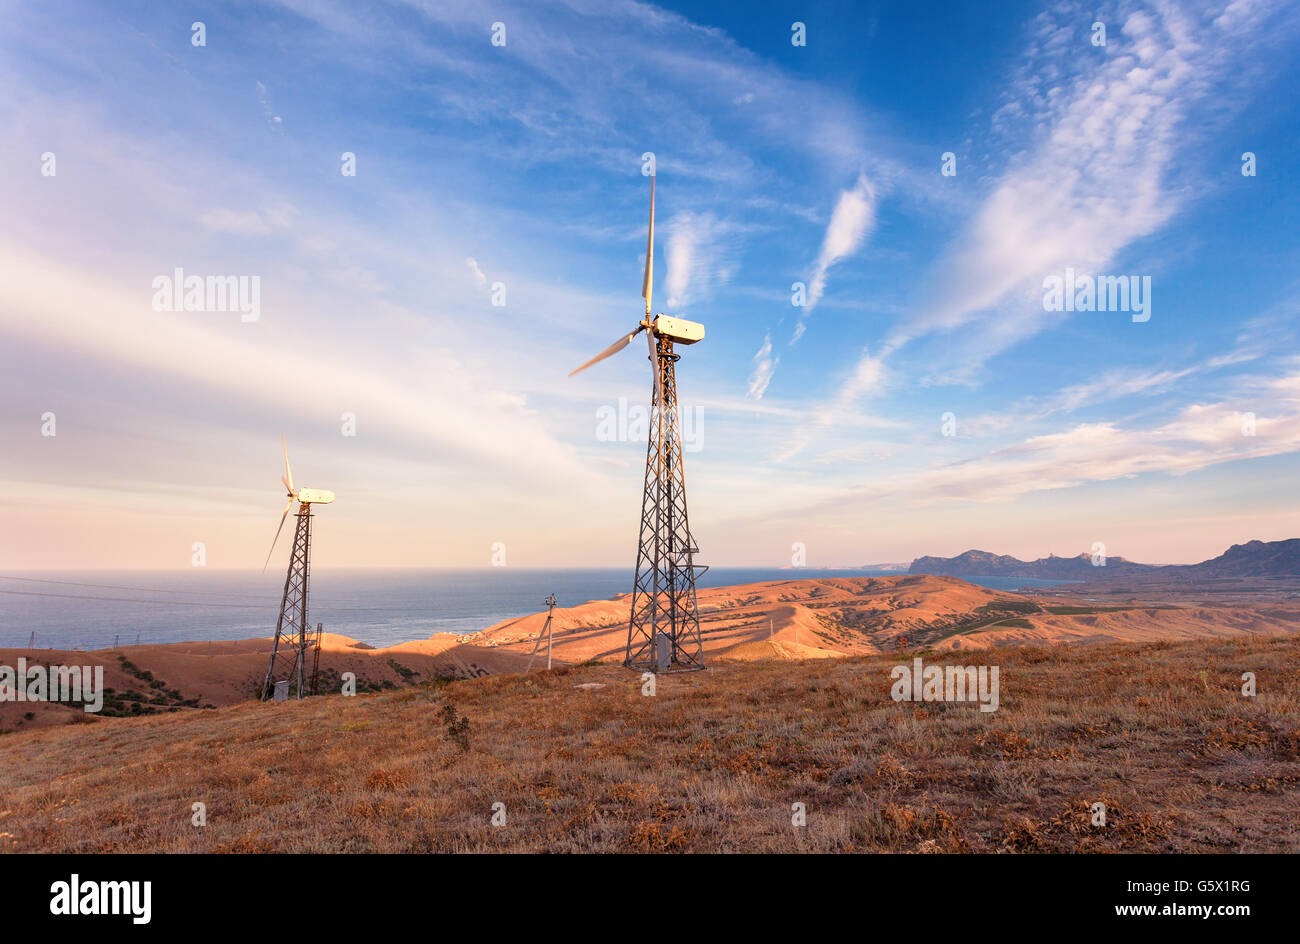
[479,278]
[273,121]
[699,252]
[490,425]
[850,224]
[868,376]
[249,222]
[764,367]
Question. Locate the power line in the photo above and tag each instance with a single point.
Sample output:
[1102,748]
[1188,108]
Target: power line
[75,596]
[242,606]
[109,586]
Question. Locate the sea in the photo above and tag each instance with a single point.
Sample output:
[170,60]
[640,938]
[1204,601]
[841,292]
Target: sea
[98,609]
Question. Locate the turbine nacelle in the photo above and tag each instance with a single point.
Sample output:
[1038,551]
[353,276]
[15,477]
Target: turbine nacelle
[313,496]
[304,497]
[679,329]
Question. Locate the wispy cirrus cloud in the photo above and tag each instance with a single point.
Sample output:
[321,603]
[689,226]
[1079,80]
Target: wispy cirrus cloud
[764,367]
[699,255]
[850,224]
[1102,174]
[475,272]
[1198,436]
[250,222]
[273,121]
[1112,385]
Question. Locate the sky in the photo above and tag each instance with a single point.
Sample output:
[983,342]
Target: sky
[444,208]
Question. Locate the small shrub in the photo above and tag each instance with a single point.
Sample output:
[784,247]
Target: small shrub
[457,727]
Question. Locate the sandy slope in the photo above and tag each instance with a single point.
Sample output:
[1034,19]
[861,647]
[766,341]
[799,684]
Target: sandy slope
[801,618]
[805,619]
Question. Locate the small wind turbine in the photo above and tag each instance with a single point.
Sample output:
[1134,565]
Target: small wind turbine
[664,628]
[288,669]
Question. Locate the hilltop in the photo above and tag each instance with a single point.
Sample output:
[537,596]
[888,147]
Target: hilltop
[713,762]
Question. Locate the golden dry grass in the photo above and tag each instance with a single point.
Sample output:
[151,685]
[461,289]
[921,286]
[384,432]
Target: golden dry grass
[1160,733]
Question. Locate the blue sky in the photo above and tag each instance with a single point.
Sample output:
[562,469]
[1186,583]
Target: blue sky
[521,165]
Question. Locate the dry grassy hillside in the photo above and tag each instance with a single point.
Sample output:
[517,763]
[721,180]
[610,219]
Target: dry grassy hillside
[1160,733]
[179,677]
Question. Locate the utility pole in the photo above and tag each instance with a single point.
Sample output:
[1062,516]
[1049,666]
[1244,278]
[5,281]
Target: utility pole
[315,665]
[546,631]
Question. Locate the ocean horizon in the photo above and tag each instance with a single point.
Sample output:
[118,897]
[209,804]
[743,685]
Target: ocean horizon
[97,609]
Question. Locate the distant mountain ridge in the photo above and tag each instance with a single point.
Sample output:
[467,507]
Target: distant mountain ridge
[984,564]
[1252,559]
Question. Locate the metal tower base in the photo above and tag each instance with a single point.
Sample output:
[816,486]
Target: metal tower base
[664,629]
[286,672]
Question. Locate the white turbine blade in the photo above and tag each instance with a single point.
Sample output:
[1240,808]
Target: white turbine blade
[277,534]
[288,473]
[648,283]
[654,366]
[611,350]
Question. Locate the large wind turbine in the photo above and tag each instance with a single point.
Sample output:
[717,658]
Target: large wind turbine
[287,668]
[664,627]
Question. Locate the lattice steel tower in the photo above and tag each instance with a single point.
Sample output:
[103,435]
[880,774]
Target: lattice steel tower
[663,632]
[287,668]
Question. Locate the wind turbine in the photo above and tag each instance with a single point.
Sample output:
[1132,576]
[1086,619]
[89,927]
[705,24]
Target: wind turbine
[288,668]
[663,632]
